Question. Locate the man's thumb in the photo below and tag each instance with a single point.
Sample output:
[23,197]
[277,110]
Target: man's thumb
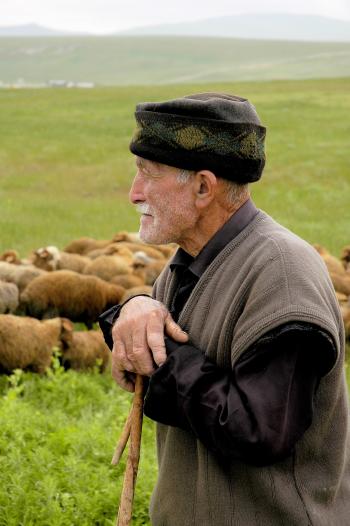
[174,331]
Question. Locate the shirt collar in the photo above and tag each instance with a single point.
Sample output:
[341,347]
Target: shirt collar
[237,222]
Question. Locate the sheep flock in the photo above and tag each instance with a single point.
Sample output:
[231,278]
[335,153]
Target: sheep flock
[43,295]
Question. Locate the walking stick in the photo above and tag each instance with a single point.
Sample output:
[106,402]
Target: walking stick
[132,429]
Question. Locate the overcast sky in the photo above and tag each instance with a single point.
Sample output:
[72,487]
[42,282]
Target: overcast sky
[103,16]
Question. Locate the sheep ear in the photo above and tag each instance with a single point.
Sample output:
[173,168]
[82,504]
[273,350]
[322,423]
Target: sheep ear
[67,325]
[138,264]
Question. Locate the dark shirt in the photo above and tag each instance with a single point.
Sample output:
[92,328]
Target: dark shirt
[257,411]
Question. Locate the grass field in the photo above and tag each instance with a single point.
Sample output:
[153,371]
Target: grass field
[163,60]
[65,172]
[65,168]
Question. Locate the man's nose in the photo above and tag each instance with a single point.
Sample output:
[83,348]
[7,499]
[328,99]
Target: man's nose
[136,194]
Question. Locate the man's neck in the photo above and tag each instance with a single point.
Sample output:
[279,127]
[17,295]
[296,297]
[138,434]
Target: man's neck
[207,227]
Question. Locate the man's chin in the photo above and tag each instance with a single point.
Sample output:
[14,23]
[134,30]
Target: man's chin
[152,238]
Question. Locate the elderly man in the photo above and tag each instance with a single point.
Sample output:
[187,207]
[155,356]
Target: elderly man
[242,341]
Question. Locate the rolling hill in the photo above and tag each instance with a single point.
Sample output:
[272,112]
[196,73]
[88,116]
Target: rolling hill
[259,26]
[166,60]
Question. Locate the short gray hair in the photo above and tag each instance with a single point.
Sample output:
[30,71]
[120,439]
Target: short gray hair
[183,176]
[233,190]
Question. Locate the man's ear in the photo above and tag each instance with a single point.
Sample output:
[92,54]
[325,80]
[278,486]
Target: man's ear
[206,185]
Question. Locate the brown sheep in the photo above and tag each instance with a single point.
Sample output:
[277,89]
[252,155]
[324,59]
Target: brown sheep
[148,272]
[9,297]
[115,249]
[333,264]
[84,245]
[106,267]
[85,348]
[11,256]
[128,281]
[26,343]
[134,291]
[345,257]
[21,275]
[345,310]
[131,237]
[51,258]
[167,250]
[342,298]
[150,251]
[71,295]
[341,283]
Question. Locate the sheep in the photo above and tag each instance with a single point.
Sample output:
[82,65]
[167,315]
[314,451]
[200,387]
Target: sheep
[127,281]
[131,237]
[106,267]
[84,245]
[51,258]
[26,343]
[115,249]
[11,256]
[69,294]
[345,257]
[333,264]
[342,298]
[9,296]
[150,251]
[341,282]
[84,350]
[21,275]
[134,291]
[167,250]
[148,272]
[345,310]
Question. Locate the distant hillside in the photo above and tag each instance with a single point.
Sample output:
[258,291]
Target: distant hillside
[270,27]
[33,30]
[167,60]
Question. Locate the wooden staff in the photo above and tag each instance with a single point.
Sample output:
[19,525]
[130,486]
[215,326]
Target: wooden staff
[133,428]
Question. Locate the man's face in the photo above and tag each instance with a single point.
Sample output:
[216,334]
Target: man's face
[166,205]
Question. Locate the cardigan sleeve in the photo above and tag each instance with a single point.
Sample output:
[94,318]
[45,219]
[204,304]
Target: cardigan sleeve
[256,412]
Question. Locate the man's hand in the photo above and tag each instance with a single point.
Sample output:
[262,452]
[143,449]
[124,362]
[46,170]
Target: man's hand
[138,339]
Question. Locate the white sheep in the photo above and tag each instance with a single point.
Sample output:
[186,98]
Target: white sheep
[9,297]
[21,275]
[51,258]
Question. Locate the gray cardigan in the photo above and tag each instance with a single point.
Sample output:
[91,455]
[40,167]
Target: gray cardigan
[265,277]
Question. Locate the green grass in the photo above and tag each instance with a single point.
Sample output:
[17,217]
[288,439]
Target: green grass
[65,169]
[163,60]
[58,434]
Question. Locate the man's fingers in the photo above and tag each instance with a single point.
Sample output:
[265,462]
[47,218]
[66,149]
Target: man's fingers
[155,338]
[174,330]
[140,355]
[121,368]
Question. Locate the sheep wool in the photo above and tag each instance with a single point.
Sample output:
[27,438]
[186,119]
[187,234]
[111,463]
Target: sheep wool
[86,349]
[21,275]
[71,295]
[26,343]
[51,258]
[9,297]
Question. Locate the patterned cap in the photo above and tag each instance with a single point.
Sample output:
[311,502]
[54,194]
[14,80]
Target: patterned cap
[204,131]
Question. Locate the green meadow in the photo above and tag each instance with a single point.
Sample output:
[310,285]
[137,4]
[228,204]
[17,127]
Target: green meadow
[65,168]
[65,171]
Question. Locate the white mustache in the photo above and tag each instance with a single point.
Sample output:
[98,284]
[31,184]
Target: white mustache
[143,208]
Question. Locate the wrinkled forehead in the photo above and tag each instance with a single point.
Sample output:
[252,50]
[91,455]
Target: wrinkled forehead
[152,167]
